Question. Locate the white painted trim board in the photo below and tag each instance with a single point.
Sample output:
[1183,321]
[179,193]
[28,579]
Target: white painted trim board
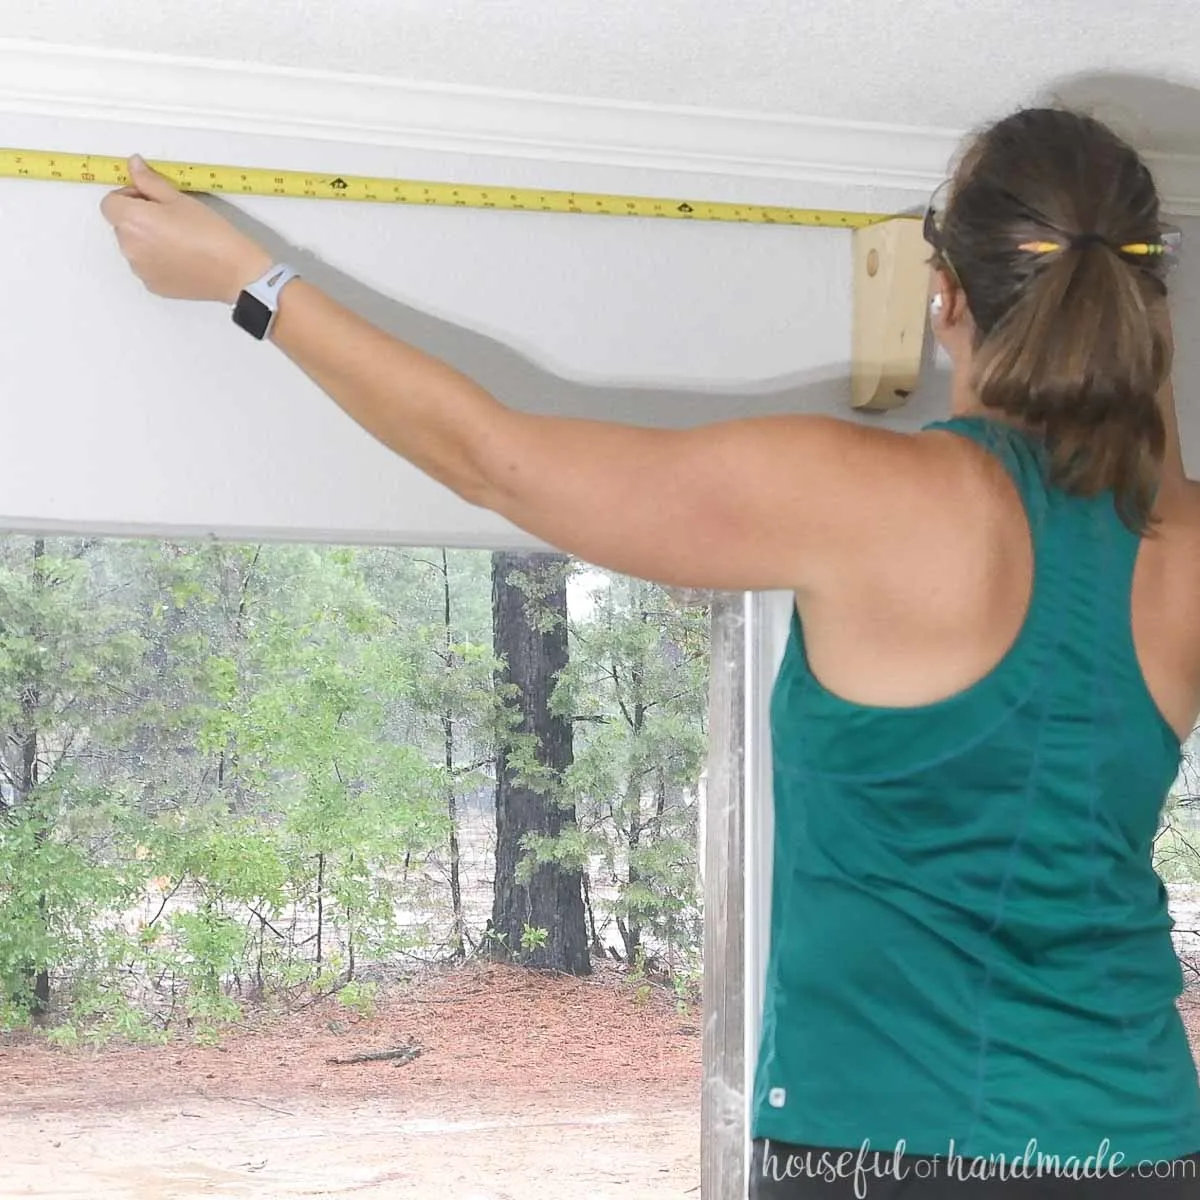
[42,79]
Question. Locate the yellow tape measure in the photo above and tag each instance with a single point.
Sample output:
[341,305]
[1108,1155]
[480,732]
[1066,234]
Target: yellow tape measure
[50,165]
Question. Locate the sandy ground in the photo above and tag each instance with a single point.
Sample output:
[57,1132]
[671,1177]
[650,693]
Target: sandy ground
[218,1148]
[527,1087]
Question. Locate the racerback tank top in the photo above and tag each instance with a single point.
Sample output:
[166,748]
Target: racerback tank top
[971,950]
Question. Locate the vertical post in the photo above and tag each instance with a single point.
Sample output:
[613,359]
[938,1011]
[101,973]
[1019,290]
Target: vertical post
[723,1104]
[891,285]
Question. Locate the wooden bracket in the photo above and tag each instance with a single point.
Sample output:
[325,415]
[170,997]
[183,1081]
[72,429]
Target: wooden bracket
[891,293]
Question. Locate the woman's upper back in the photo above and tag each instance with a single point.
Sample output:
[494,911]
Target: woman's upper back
[1037,598]
[926,616]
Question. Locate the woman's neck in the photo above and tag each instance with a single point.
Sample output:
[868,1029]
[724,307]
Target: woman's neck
[964,400]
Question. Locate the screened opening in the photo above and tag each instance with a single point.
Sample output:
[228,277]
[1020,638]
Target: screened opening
[367,867]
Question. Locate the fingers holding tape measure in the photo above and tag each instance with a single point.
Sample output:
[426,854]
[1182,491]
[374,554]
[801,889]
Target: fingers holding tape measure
[176,245]
[149,183]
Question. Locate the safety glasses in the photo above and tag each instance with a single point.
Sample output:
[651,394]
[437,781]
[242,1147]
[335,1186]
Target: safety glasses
[1166,248]
[934,229]
[935,218]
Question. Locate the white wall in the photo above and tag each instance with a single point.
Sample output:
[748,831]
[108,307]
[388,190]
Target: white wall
[126,413]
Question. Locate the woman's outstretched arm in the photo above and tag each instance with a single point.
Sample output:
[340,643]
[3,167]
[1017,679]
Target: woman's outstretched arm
[760,503]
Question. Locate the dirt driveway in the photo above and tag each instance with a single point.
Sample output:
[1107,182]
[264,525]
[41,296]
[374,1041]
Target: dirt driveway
[223,1149]
[526,1088]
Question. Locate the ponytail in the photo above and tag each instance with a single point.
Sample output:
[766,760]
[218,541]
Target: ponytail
[1053,232]
[1080,358]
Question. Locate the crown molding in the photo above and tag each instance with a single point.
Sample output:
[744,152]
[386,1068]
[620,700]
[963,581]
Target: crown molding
[42,79]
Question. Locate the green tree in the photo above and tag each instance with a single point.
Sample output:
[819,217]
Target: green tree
[312,808]
[440,601]
[65,663]
[537,912]
[239,773]
[637,688]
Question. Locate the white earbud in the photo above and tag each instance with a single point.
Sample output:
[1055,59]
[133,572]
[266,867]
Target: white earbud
[937,304]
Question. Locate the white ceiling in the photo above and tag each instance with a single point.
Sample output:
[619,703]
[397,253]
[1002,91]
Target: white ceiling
[942,63]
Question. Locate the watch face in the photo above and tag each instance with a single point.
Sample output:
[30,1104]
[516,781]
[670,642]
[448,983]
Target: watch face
[252,315]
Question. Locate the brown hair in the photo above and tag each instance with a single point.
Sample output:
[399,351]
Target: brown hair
[1070,339]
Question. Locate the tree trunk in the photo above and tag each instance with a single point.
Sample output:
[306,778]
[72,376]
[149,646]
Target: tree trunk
[240,582]
[529,626]
[458,927]
[37,977]
[320,903]
[629,927]
[458,922]
[597,944]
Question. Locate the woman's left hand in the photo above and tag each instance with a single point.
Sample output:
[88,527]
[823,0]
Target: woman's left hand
[178,246]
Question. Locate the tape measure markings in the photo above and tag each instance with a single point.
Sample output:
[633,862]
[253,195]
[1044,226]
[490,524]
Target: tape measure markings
[53,166]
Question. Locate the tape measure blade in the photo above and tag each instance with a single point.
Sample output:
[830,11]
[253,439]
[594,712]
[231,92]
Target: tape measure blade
[57,166]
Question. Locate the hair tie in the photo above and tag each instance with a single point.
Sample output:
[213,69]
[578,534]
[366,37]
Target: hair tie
[1163,248]
[1146,249]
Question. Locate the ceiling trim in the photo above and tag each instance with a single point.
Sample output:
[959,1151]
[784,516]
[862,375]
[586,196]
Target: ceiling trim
[78,82]
[42,79]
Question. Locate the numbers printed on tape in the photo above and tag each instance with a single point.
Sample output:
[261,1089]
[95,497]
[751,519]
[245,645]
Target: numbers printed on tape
[49,165]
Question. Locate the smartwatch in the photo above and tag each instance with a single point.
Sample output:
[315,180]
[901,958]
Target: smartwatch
[258,304]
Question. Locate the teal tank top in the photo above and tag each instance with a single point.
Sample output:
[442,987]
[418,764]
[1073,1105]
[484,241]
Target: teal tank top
[971,950]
